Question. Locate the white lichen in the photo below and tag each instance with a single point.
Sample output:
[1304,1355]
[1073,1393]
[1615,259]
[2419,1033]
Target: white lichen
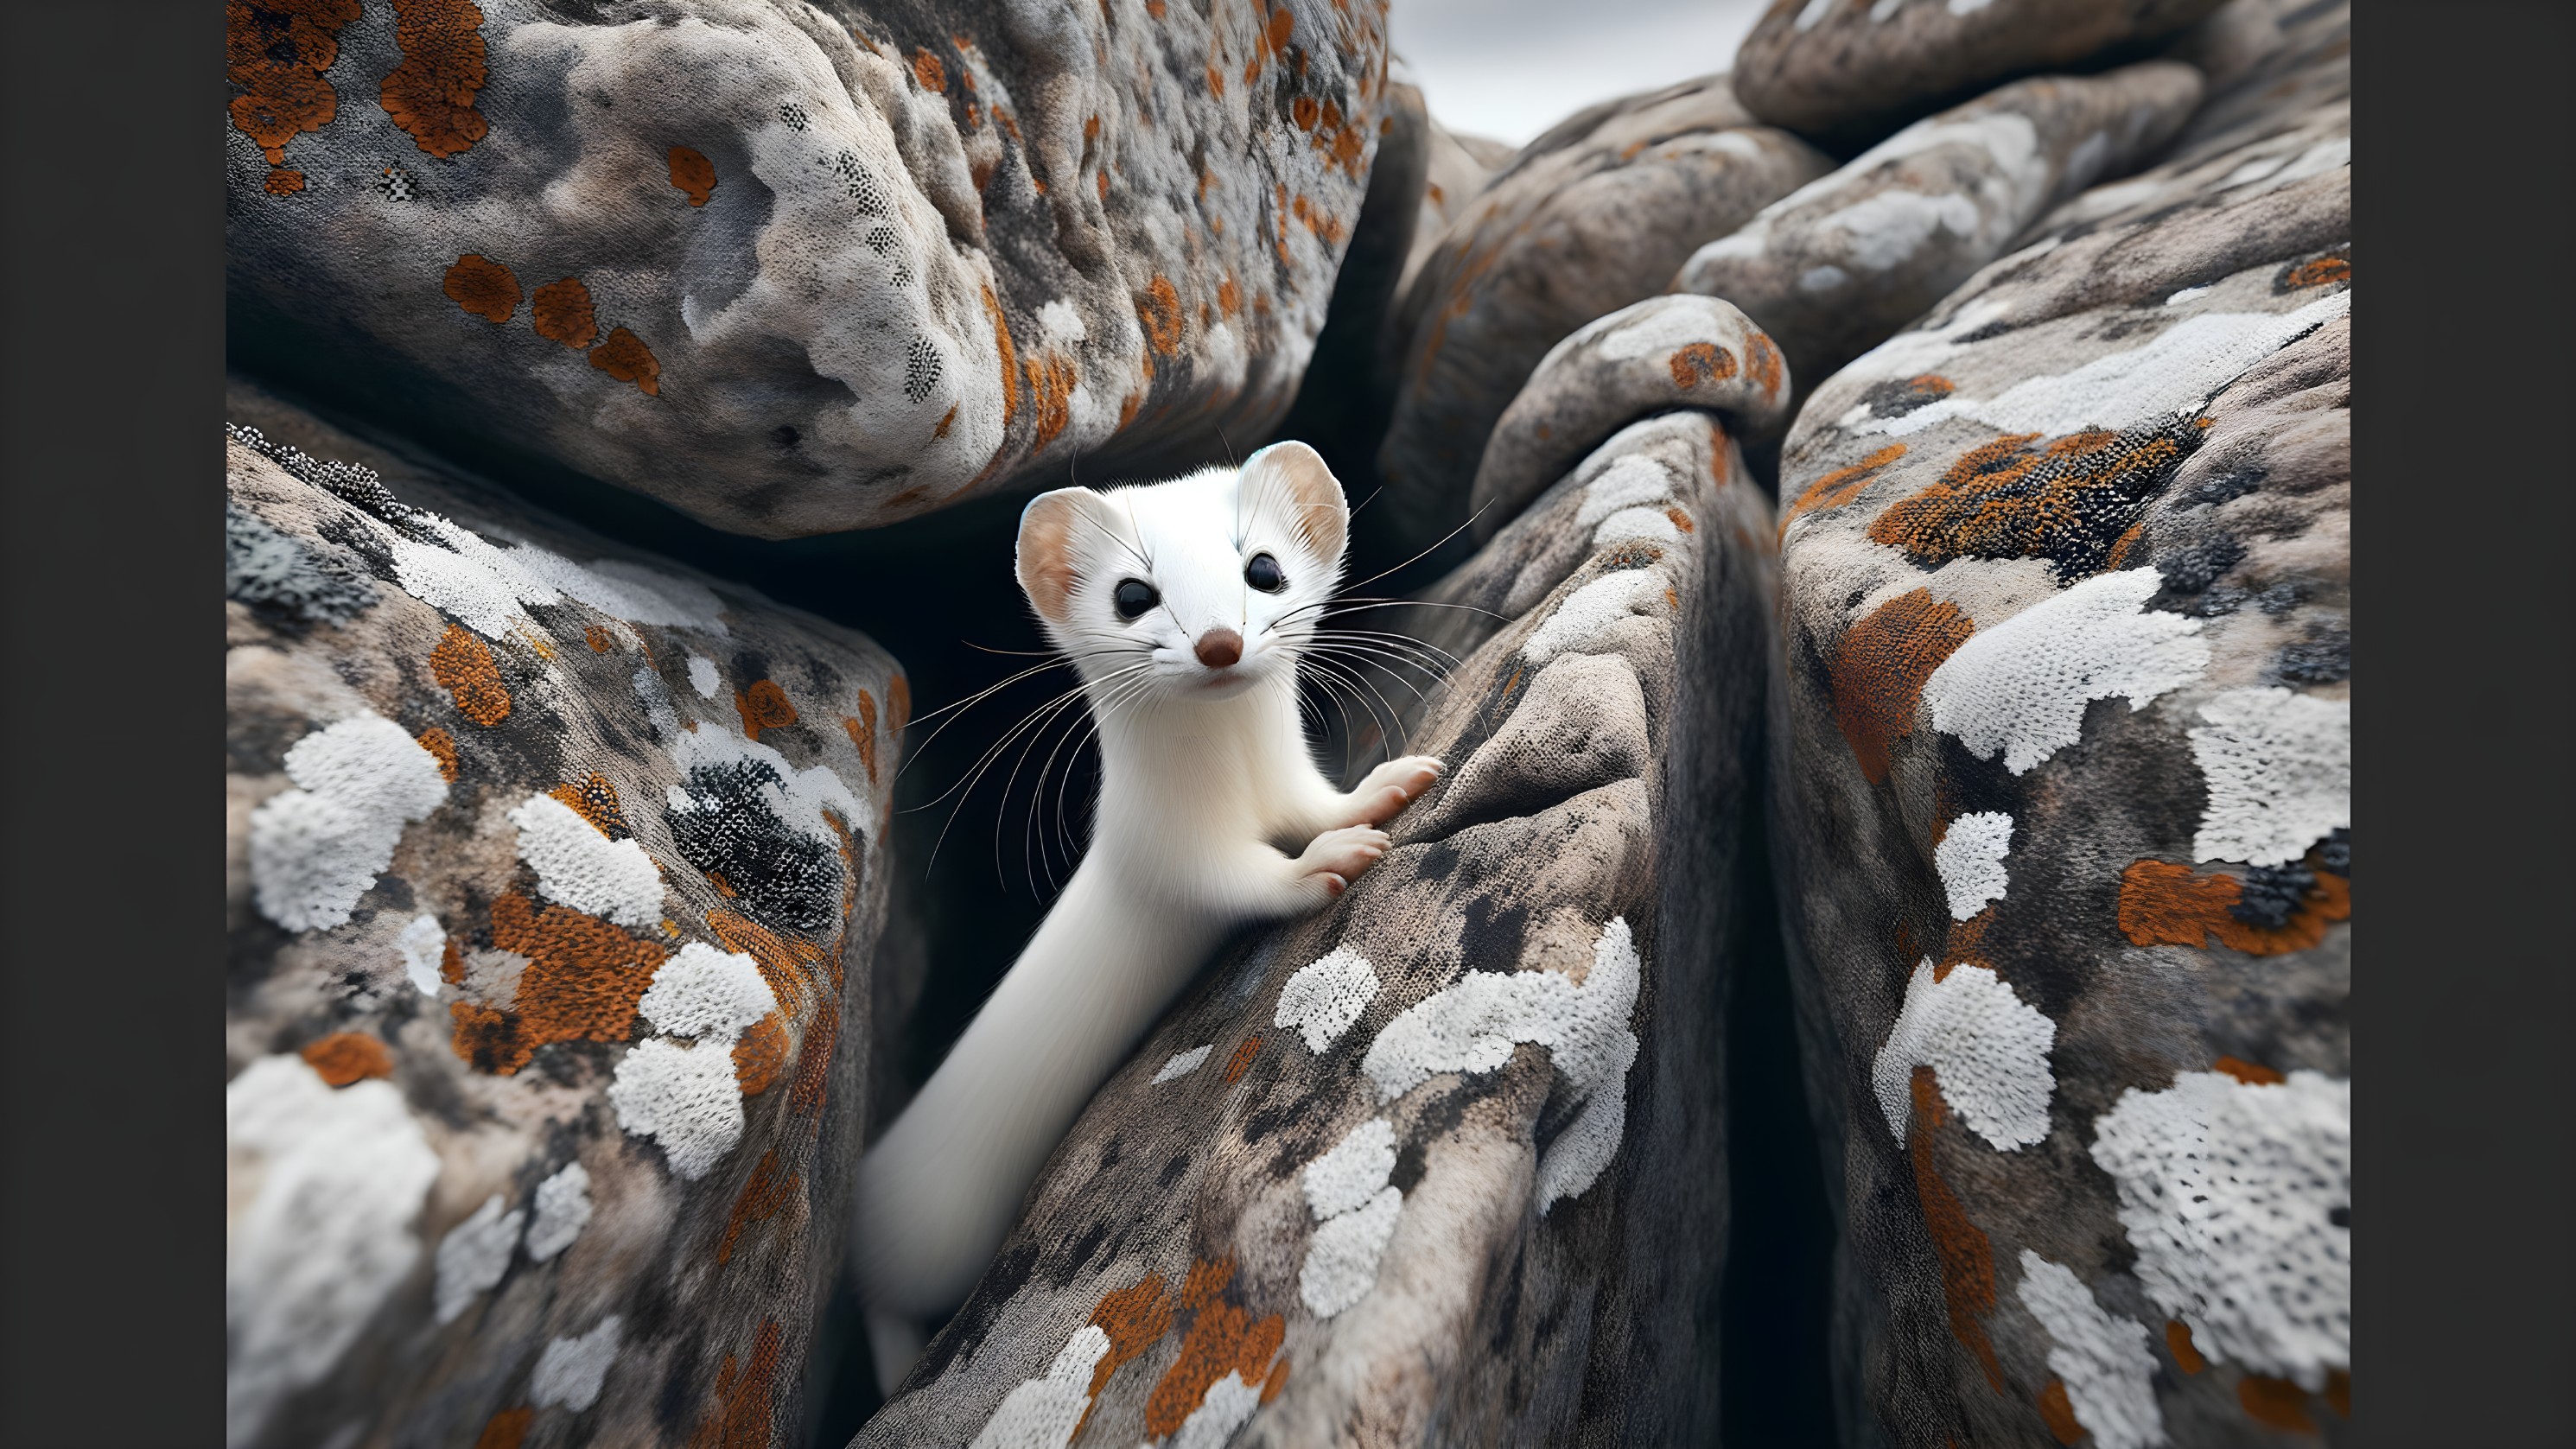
[2279,770]
[570,1369]
[1987,1048]
[1342,1258]
[474,1255]
[423,946]
[2101,1358]
[1326,997]
[561,1210]
[1227,1406]
[1590,611]
[315,850]
[580,867]
[1181,1064]
[684,1097]
[706,993]
[1042,1413]
[1970,859]
[2020,687]
[323,1188]
[2237,1199]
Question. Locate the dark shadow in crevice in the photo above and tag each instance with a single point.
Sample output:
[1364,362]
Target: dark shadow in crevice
[1774,1377]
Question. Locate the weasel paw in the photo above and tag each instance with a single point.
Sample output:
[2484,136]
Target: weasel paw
[1337,857]
[1392,786]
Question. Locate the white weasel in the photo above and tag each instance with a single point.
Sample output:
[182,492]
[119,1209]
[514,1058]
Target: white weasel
[1185,607]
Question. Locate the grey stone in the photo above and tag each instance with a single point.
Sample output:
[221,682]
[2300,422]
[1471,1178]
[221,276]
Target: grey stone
[500,867]
[1837,266]
[1505,1230]
[2072,554]
[795,269]
[1847,72]
[1590,217]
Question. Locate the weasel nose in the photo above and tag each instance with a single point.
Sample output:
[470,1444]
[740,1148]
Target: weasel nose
[1220,647]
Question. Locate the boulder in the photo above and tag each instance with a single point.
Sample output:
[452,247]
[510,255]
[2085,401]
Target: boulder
[2062,783]
[791,268]
[1846,72]
[1590,217]
[1683,352]
[552,876]
[1441,1161]
[1837,266]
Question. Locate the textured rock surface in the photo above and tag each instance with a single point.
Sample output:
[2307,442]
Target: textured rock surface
[2064,803]
[1847,72]
[1442,1160]
[1837,266]
[1590,217]
[1663,352]
[796,269]
[553,877]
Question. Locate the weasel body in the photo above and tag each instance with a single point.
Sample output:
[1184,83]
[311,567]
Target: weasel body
[1185,607]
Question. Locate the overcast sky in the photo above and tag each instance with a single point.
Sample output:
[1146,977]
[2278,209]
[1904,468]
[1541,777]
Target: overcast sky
[1509,69]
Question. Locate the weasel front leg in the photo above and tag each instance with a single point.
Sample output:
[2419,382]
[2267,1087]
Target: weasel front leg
[1274,884]
[1387,790]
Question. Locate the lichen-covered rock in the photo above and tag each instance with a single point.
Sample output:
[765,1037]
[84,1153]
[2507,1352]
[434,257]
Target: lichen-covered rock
[2063,783]
[796,268]
[553,875]
[1837,266]
[1673,351]
[1847,72]
[1458,168]
[1592,216]
[1442,1162]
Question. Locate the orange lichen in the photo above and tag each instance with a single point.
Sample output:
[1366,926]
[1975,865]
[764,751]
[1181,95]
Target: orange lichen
[1282,24]
[1051,383]
[599,639]
[277,51]
[431,94]
[946,420]
[348,1056]
[442,747]
[1967,1260]
[807,1090]
[2275,1403]
[1278,1380]
[1880,667]
[1229,295]
[1303,110]
[761,1197]
[1762,363]
[2163,904]
[1701,362]
[582,981]
[2339,1392]
[2059,1412]
[2186,1354]
[1681,520]
[693,174]
[1842,485]
[862,730]
[783,961]
[483,287]
[1222,1339]
[2247,1072]
[1103,179]
[898,703]
[2318,272]
[761,1055]
[561,312]
[927,70]
[764,706]
[1241,1061]
[1010,359]
[741,1416]
[1160,310]
[1135,1319]
[2010,499]
[595,800]
[506,1429]
[462,665]
[625,357]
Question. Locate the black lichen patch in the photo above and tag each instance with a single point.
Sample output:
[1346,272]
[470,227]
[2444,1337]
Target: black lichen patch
[2324,656]
[2231,482]
[2272,894]
[1898,396]
[2070,499]
[351,482]
[2334,857]
[282,581]
[731,831]
[2194,567]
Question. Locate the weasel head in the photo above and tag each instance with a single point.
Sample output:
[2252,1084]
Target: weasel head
[1195,589]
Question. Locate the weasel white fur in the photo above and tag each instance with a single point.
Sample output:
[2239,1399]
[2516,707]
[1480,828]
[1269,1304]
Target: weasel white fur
[1212,814]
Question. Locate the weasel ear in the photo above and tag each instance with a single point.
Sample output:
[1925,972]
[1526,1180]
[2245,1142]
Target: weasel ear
[1048,560]
[1313,496]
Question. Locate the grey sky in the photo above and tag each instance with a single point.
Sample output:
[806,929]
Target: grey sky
[1509,69]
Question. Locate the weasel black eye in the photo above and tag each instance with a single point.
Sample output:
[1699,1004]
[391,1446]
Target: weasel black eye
[1134,597]
[1263,574]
